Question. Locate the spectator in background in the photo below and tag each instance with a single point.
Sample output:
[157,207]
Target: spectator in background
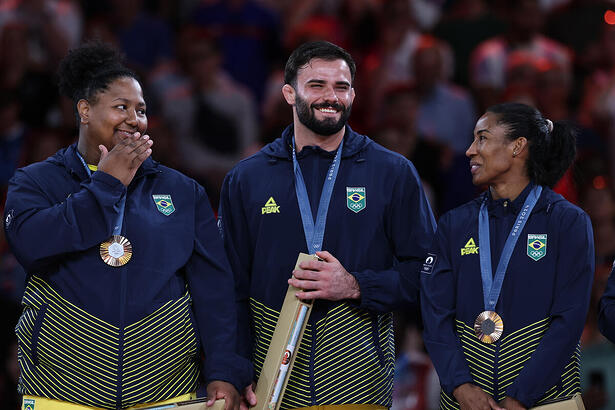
[247,32]
[146,40]
[211,115]
[597,109]
[489,59]
[464,26]
[445,115]
[446,112]
[390,60]
[398,132]
[53,26]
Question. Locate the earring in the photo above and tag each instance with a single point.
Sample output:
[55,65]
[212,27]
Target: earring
[514,153]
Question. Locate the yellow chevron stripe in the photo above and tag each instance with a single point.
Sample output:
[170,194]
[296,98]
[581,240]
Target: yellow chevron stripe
[521,341]
[87,372]
[104,348]
[522,354]
[93,347]
[332,355]
[106,363]
[170,315]
[166,336]
[335,374]
[52,294]
[342,328]
[525,329]
[139,326]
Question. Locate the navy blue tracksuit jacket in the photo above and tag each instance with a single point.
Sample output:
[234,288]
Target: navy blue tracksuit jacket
[543,302]
[114,337]
[347,353]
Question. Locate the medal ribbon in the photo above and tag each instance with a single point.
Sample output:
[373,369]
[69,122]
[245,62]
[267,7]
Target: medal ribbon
[117,226]
[315,233]
[493,285]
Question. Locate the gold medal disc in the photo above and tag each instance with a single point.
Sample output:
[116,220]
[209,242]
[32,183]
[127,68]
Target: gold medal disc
[116,251]
[488,326]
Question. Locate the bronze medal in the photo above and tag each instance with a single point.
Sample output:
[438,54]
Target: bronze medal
[116,251]
[488,326]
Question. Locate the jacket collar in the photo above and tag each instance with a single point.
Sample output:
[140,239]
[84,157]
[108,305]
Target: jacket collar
[282,147]
[68,158]
[496,206]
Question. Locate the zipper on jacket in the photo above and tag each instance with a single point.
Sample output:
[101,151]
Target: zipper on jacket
[312,354]
[496,366]
[123,276]
[120,374]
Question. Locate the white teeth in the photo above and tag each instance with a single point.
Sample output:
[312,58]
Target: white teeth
[328,110]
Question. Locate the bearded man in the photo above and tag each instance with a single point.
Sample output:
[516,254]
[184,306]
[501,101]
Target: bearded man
[323,188]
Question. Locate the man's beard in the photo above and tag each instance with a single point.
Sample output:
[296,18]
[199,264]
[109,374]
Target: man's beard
[326,127]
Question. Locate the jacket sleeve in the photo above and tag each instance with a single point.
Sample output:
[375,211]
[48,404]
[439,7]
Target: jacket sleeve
[234,227]
[438,301]
[606,317]
[211,285]
[410,228]
[40,231]
[575,271]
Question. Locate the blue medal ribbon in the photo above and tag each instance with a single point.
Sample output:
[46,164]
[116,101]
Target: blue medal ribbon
[493,285]
[315,233]
[117,226]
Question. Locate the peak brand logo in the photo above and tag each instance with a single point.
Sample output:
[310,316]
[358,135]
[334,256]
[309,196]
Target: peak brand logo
[470,248]
[270,207]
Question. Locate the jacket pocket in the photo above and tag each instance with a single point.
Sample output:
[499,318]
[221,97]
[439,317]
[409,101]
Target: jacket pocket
[28,329]
[376,339]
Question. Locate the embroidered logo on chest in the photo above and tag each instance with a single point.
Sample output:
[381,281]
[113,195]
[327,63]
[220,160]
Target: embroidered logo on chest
[270,207]
[470,248]
[164,203]
[356,198]
[536,245]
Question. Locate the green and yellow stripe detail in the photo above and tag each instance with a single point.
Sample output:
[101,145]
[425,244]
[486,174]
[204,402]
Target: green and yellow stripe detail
[353,357]
[511,352]
[68,354]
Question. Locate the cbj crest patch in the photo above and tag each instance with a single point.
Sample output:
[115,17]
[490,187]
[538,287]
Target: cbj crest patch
[164,203]
[536,245]
[356,198]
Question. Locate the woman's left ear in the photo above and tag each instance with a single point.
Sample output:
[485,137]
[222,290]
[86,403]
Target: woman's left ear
[83,108]
[519,146]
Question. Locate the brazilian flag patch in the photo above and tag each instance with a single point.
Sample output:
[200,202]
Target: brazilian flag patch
[536,245]
[164,203]
[28,404]
[356,199]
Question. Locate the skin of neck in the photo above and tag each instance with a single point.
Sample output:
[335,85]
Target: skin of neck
[510,187]
[306,137]
[88,150]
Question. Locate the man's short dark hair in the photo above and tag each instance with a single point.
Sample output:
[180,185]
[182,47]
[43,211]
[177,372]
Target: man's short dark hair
[315,49]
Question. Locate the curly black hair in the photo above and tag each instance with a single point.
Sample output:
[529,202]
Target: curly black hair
[89,69]
[551,151]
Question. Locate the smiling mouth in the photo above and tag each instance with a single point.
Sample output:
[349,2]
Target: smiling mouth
[328,108]
[474,168]
[126,133]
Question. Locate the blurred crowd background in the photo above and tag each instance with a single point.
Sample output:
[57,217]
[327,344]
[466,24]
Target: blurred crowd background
[212,71]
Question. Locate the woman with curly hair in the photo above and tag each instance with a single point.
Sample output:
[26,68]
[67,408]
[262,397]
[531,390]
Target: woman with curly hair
[127,279]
